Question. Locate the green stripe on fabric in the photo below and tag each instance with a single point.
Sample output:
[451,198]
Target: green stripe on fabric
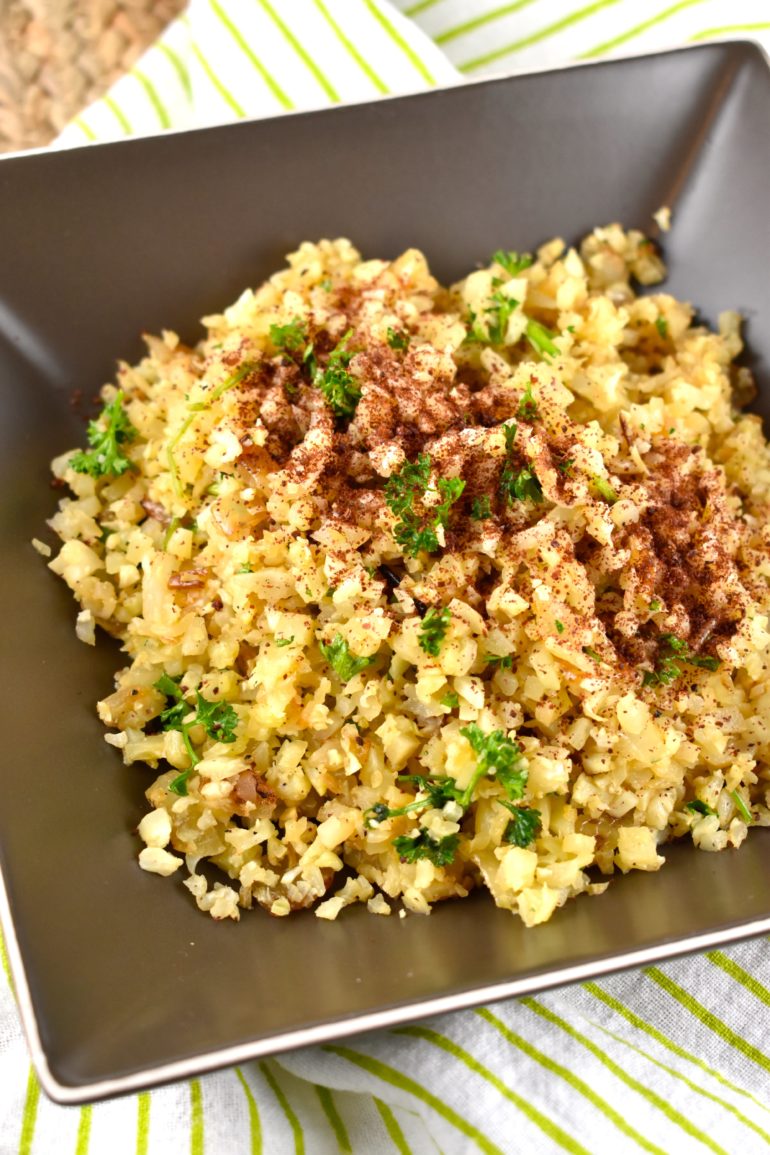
[351,49]
[255,1123]
[335,1119]
[154,99]
[307,60]
[399,41]
[119,115]
[179,67]
[86,129]
[654,1100]
[721,960]
[4,964]
[223,92]
[423,6]
[293,1121]
[142,1123]
[698,1011]
[84,1131]
[272,84]
[546,1125]
[614,1004]
[480,21]
[536,37]
[391,1126]
[197,1137]
[608,45]
[688,1083]
[571,1079]
[727,29]
[29,1113]
[404,1083]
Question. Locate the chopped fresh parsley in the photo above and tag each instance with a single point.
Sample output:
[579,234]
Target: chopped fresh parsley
[500,661]
[246,569]
[281,642]
[741,807]
[655,605]
[565,465]
[520,485]
[517,484]
[451,700]
[604,489]
[325,284]
[106,435]
[481,508]
[541,339]
[414,532]
[498,313]
[661,324]
[524,826]
[433,630]
[291,338]
[699,807]
[398,338]
[592,654]
[527,409]
[219,720]
[674,653]
[440,851]
[513,263]
[499,756]
[559,627]
[339,387]
[345,664]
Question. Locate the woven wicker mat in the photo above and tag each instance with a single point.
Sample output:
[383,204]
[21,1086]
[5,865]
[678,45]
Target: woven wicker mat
[57,55]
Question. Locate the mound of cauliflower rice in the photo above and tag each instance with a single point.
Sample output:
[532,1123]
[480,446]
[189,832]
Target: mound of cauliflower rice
[423,589]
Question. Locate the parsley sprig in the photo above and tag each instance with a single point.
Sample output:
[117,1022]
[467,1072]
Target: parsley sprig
[416,531]
[524,826]
[111,430]
[338,386]
[422,844]
[674,653]
[481,508]
[339,656]
[518,484]
[219,720]
[398,338]
[433,630]
[513,263]
[541,339]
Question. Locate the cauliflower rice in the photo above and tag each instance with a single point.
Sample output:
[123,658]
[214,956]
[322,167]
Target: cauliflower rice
[424,589]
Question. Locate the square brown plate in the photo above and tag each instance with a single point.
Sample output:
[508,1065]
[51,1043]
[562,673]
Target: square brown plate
[121,981]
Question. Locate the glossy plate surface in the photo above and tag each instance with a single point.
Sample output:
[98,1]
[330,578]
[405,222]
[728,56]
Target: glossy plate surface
[122,982]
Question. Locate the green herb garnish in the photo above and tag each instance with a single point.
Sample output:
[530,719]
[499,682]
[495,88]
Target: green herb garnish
[433,630]
[741,807]
[527,409]
[345,664]
[481,508]
[339,387]
[541,339]
[593,655]
[524,826]
[559,627]
[520,485]
[281,642]
[499,756]
[219,720]
[500,661]
[440,851]
[673,654]
[513,263]
[699,807]
[414,532]
[106,435]
[661,324]
[604,489]
[655,605]
[398,338]
[451,700]
[291,338]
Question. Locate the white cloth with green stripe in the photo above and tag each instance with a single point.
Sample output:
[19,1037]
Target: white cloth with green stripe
[673,1059]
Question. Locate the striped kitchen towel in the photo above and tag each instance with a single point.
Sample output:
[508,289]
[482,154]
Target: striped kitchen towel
[667,1060]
